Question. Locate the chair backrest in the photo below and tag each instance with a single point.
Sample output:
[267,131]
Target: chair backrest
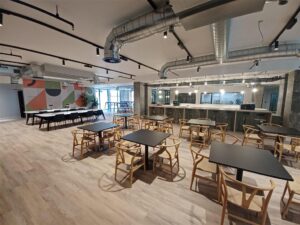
[198,131]
[118,133]
[196,150]
[171,146]
[182,122]
[124,152]
[246,191]
[249,129]
[77,136]
[229,139]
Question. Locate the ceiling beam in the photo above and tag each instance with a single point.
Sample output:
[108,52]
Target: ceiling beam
[124,57]
[180,42]
[285,27]
[9,61]
[65,59]
[56,16]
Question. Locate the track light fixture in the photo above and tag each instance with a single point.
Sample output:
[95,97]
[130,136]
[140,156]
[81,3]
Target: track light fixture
[205,83]
[139,66]
[165,34]
[283,2]
[106,71]
[63,62]
[188,58]
[97,51]
[1,19]
[276,45]
[198,69]
[190,93]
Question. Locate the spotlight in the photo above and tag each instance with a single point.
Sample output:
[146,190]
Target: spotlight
[176,92]
[188,58]
[190,93]
[276,45]
[222,91]
[139,66]
[243,81]
[198,69]
[177,84]
[252,83]
[106,71]
[224,81]
[159,96]
[1,19]
[63,62]
[196,91]
[159,91]
[205,92]
[254,90]
[242,92]
[190,84]
[165,34]
[205,83]
[97,52]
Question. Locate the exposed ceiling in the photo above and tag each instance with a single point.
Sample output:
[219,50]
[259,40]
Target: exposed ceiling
[94,19]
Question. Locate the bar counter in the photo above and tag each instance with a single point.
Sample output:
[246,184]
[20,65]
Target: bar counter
[231,114]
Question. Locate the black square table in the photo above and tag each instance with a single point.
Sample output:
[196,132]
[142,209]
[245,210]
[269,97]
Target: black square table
[98,128]
[249,159]
[279,130]
[146,138]
[125,115]
[210,123]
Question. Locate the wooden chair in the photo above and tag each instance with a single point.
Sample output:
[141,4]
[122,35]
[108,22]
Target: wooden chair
[229,139]
[81,141]
[292,147]
[220,131]
[167,152]
[151,125]
[199,134]
[201,164]
[245,196]
[251,135]
[272,137]
[183,127]
[166,126]
[128,160]
[119,120]
[134,122]
[111,136]
[293,190]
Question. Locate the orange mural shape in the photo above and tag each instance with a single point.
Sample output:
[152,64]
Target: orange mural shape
[38,102]
[80,101]
[33,83]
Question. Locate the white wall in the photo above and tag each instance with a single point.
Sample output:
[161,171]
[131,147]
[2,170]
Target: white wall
[9,103]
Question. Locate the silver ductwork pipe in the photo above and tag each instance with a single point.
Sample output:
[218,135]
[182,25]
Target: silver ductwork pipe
[136,29]
[288,50]
[220,32]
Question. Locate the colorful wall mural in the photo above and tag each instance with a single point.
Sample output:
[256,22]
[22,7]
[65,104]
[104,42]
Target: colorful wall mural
[46,94]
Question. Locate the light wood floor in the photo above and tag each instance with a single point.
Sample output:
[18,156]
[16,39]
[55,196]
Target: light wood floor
[41,184]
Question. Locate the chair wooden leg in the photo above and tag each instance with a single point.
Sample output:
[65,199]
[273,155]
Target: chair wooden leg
[223,213]
[131,176]
[193,177]
[285,210]
[73,150]
[171,170]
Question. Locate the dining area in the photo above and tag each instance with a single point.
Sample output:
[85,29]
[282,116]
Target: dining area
[219,160]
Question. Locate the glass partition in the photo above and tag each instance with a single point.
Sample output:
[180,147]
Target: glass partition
[228,98]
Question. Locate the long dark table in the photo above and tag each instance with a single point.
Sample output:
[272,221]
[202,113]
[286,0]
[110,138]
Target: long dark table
[146,138]
[98,128]
[249,159]
[279,130]
[50,117]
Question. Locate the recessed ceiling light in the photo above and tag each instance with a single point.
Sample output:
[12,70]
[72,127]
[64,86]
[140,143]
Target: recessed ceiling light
[165,34]
[254,90]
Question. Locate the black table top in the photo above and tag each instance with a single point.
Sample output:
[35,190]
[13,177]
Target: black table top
[249,159]
[157,118]
[202,122]
[279,130]
[98,127]
[124,114]
[146,137]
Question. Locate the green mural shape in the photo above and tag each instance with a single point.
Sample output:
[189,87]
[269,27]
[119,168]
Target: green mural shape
[70,99]
[52,84]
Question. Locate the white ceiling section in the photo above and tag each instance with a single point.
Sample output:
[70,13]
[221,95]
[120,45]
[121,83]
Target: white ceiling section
[94,19]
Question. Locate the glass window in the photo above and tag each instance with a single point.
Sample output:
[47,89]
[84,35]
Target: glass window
[205,98]
[228,98]
[113,95]
[160,97]
[103,99]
